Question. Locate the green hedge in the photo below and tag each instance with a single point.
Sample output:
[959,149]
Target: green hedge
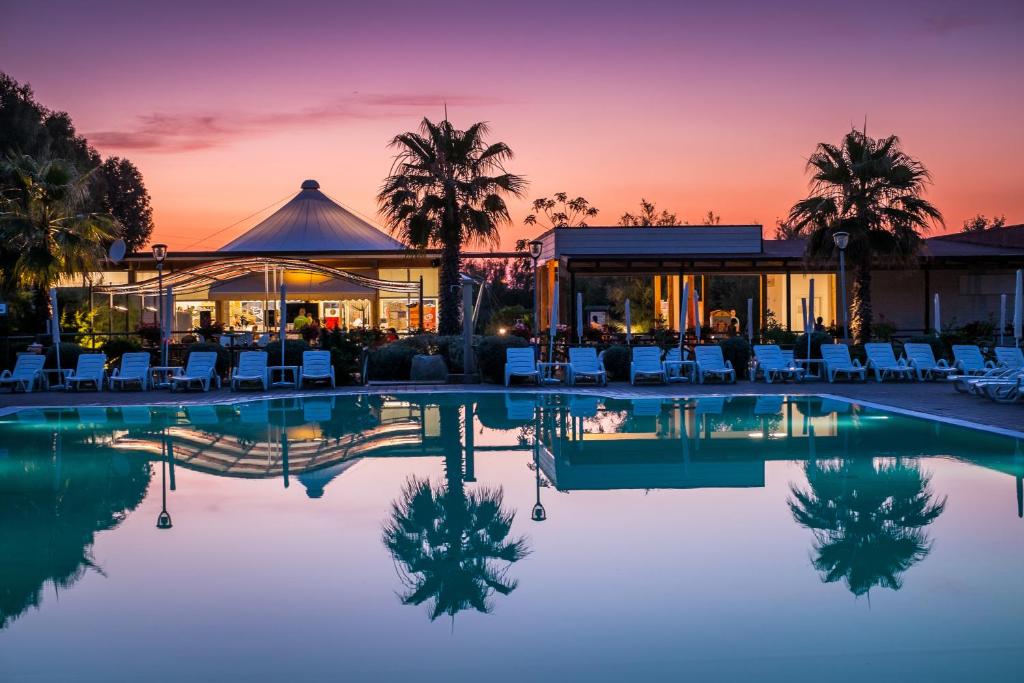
[737,350]
[616,362]
[490,355]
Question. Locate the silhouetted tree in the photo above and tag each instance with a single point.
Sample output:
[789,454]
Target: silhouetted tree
[561,212]
[980,223]
[123,195]
[648,216]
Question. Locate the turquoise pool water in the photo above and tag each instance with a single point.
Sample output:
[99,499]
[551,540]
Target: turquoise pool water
[387,537]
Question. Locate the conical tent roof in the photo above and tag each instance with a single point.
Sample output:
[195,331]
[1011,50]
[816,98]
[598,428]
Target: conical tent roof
[312,222]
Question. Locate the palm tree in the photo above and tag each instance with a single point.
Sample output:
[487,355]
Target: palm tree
[872,190]
[446,188]
[448,543]
[868,521]
[46,228]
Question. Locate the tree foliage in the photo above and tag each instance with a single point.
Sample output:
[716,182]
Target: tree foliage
[122,194]
[980,223]
[648,216]
[561,212]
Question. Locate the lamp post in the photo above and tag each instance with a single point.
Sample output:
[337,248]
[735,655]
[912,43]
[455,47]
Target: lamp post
[159,254]
[163,520]
[538,514]
[842,240]
[535,249]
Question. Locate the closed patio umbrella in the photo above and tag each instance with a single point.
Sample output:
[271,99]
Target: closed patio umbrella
[281,319]
[937,313]
[55,328]
[1002,318]
[1018,308]
[554,325]
[750,320]
[579,317]
[810,315]
[629,324]
[684,314]
[696,315]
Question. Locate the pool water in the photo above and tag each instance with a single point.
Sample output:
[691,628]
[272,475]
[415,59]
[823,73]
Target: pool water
[457,536]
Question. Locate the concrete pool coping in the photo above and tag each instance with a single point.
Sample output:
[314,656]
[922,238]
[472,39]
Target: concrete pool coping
[934,401]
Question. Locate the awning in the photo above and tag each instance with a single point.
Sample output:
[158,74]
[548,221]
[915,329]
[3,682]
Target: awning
[300,286]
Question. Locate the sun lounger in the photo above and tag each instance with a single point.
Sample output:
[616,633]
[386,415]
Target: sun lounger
[584,363]
[200,370]
[1009,357]
[646,364]
[521,362]
[27,372]
[252,368]
[91,369]
[711,362]
[1008,363]
[772,365]
[316,367]
[967,359]
[922,360]
[836,359]
[134,369]
[1008,390]
[882,361]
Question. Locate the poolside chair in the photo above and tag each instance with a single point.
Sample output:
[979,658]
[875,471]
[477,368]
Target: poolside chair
[882,361]
[673,365]
[316,367]
[583,362]
[922,360]
[646,364]
[90,369]
[967,359]
[200,370]
[134,369]
[521,362]
[1009,357]
[1008,390]
[1009,361]
[836,359]
[772,365]
[27,372]
[711,362]
[252,368]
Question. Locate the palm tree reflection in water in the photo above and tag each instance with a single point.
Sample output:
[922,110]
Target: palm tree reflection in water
[452,549]
[868,521]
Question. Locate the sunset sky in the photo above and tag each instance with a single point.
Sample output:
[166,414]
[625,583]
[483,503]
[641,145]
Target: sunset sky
[227,106]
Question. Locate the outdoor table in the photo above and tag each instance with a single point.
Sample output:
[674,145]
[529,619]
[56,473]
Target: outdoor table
[547,372]
[283,369]
[162,375]
[62,377]
[679,367]
[815,367]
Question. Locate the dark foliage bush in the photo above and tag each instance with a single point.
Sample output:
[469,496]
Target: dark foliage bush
[616,362]
[737,351]
[490,355]
[817,339]
[149,333]
[391,363]
[293,350]
[115,348]
[223,359]
[69,354]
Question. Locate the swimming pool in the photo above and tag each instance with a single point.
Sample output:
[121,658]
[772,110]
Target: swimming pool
[493,536]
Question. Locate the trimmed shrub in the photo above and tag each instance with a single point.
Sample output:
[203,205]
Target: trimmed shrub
[293,350]
[223,357]
[490,355]
[391,363]
[616,362]
[817,339]
[737,351]
[69,354]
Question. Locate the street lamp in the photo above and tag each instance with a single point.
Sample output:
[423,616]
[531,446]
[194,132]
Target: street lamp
[159,254]
[535,249]
[842,240]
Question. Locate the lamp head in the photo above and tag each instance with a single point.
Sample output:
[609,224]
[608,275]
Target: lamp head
[538,514]
[842,239]
[159,252]
[535,248]
[164,520]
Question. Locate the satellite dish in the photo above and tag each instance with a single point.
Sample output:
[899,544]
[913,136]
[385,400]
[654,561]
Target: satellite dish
[116,251]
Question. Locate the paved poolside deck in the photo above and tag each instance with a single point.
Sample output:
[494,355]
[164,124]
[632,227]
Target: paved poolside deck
[934,399]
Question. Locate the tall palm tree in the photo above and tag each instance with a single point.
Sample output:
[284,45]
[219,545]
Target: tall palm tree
[452,548]
[447,188]
[868,521]
[46,228]
[871,189]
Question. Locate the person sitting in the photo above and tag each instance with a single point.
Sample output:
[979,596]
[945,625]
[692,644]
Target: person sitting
[819,324]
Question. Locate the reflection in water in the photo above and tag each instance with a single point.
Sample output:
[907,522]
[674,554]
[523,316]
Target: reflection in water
[56,492]
[452,548]
[868,520]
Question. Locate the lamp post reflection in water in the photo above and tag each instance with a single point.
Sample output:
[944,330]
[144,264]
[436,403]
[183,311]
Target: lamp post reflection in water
[539,514]
[163,520]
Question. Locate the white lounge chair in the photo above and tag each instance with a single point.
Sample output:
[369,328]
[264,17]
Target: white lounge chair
[583,362]
[646,364]
[251,368]
[27,372]
[772,365]
[883,362]
[200,370]
[521,362]
[1009,357]
[1004,390]
[711,362]
[316,367]
[922,360]
[673,365]
[91,369]
[134,369]
[968,360]
[836,359]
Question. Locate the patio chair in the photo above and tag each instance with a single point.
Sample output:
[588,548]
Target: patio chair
[27,372]
[251,368]
[583,362]
[646,364]
[882,361]
[200,370]
[711,362]
[673,365]
[922,360]
[316,367]
[521,362]
[836,359]
[968,360]
[772,365]
[91,369]
[1009,357]
[134,369]
[1007,390]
